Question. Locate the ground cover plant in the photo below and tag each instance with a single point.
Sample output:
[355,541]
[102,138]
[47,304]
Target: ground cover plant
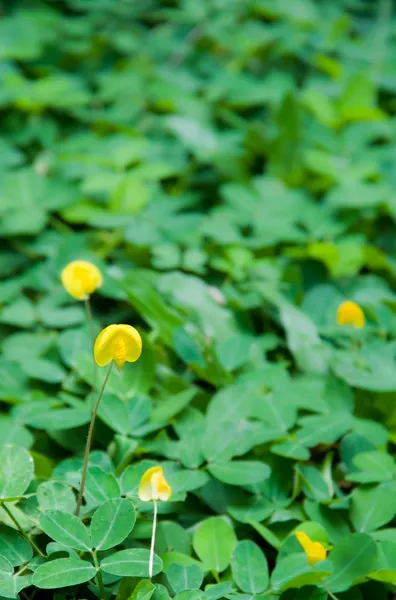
[218,366]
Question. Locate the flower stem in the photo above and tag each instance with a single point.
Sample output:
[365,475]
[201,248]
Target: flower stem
[151,562]
[99,577]
[329,593]
[91,326]
[89,442]
[17,525]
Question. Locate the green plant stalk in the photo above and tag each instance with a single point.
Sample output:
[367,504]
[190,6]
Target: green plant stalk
[151,561]
[89,442]
[99,577]
[17,525]
[91,326]
[329,593]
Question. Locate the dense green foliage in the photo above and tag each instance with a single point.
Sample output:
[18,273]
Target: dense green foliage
[229,165]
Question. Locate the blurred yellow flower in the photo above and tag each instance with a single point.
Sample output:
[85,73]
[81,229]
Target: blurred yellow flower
[81,278]
[121,343]
[314,550]
[153,486]
[350,313]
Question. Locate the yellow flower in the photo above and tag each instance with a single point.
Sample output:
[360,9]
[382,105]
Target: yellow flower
[153,486]
[350,313]
[121,343]
[81,278]
[314,550]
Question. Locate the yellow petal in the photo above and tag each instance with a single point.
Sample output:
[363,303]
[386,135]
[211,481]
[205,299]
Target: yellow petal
[81,278]
[314,550]
[120,343]
[350,313]
[153,486]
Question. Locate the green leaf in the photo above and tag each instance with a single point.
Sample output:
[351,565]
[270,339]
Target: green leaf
[40,368]
[112,523]
[233,352]
[130,563]
[170,407]
[370,507]
[63,572]
[20,313]
[170,558]
[183,577]
[65,529]
[13,433]
[187,348]
[303,339]
[100,486]
[374,467]
[241,472]
[14,547]
[385,568]
[6,567]
[59,419]
[10,586]
[172,536]
[114,413]
[213,541]
[352,558]
[314,484]
[16,471]
[293,571]
[52,495]
[249,568]
[191,595]
[143,591]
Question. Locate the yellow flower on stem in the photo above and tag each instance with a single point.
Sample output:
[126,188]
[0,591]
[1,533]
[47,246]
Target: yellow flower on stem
[81,278]
[153,486]
[350,313]
[121,343]
[314,550]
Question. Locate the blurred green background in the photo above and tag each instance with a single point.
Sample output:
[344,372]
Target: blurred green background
[230,166]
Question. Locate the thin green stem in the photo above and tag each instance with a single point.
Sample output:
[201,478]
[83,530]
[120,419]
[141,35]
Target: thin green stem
[91,326]
[216,576]
[151,562]
[99,577]
[89,442]
[381,34]
[18,526]
[329,593]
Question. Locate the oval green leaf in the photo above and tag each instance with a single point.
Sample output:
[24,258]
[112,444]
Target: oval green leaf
[112,523]
[63,572]
[14,547]
[16,471]
[249,567]
[240,472]
[214,541]
[131,563]
[354,557]
[65,529]
[183,577]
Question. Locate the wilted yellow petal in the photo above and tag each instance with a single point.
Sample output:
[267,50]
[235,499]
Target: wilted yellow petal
[121,343]
[350,313]
[314,550]
[153,486]
[81,278]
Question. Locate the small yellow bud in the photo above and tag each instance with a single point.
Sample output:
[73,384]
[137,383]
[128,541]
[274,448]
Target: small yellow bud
[350,313]
[81,278]
[121,343]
